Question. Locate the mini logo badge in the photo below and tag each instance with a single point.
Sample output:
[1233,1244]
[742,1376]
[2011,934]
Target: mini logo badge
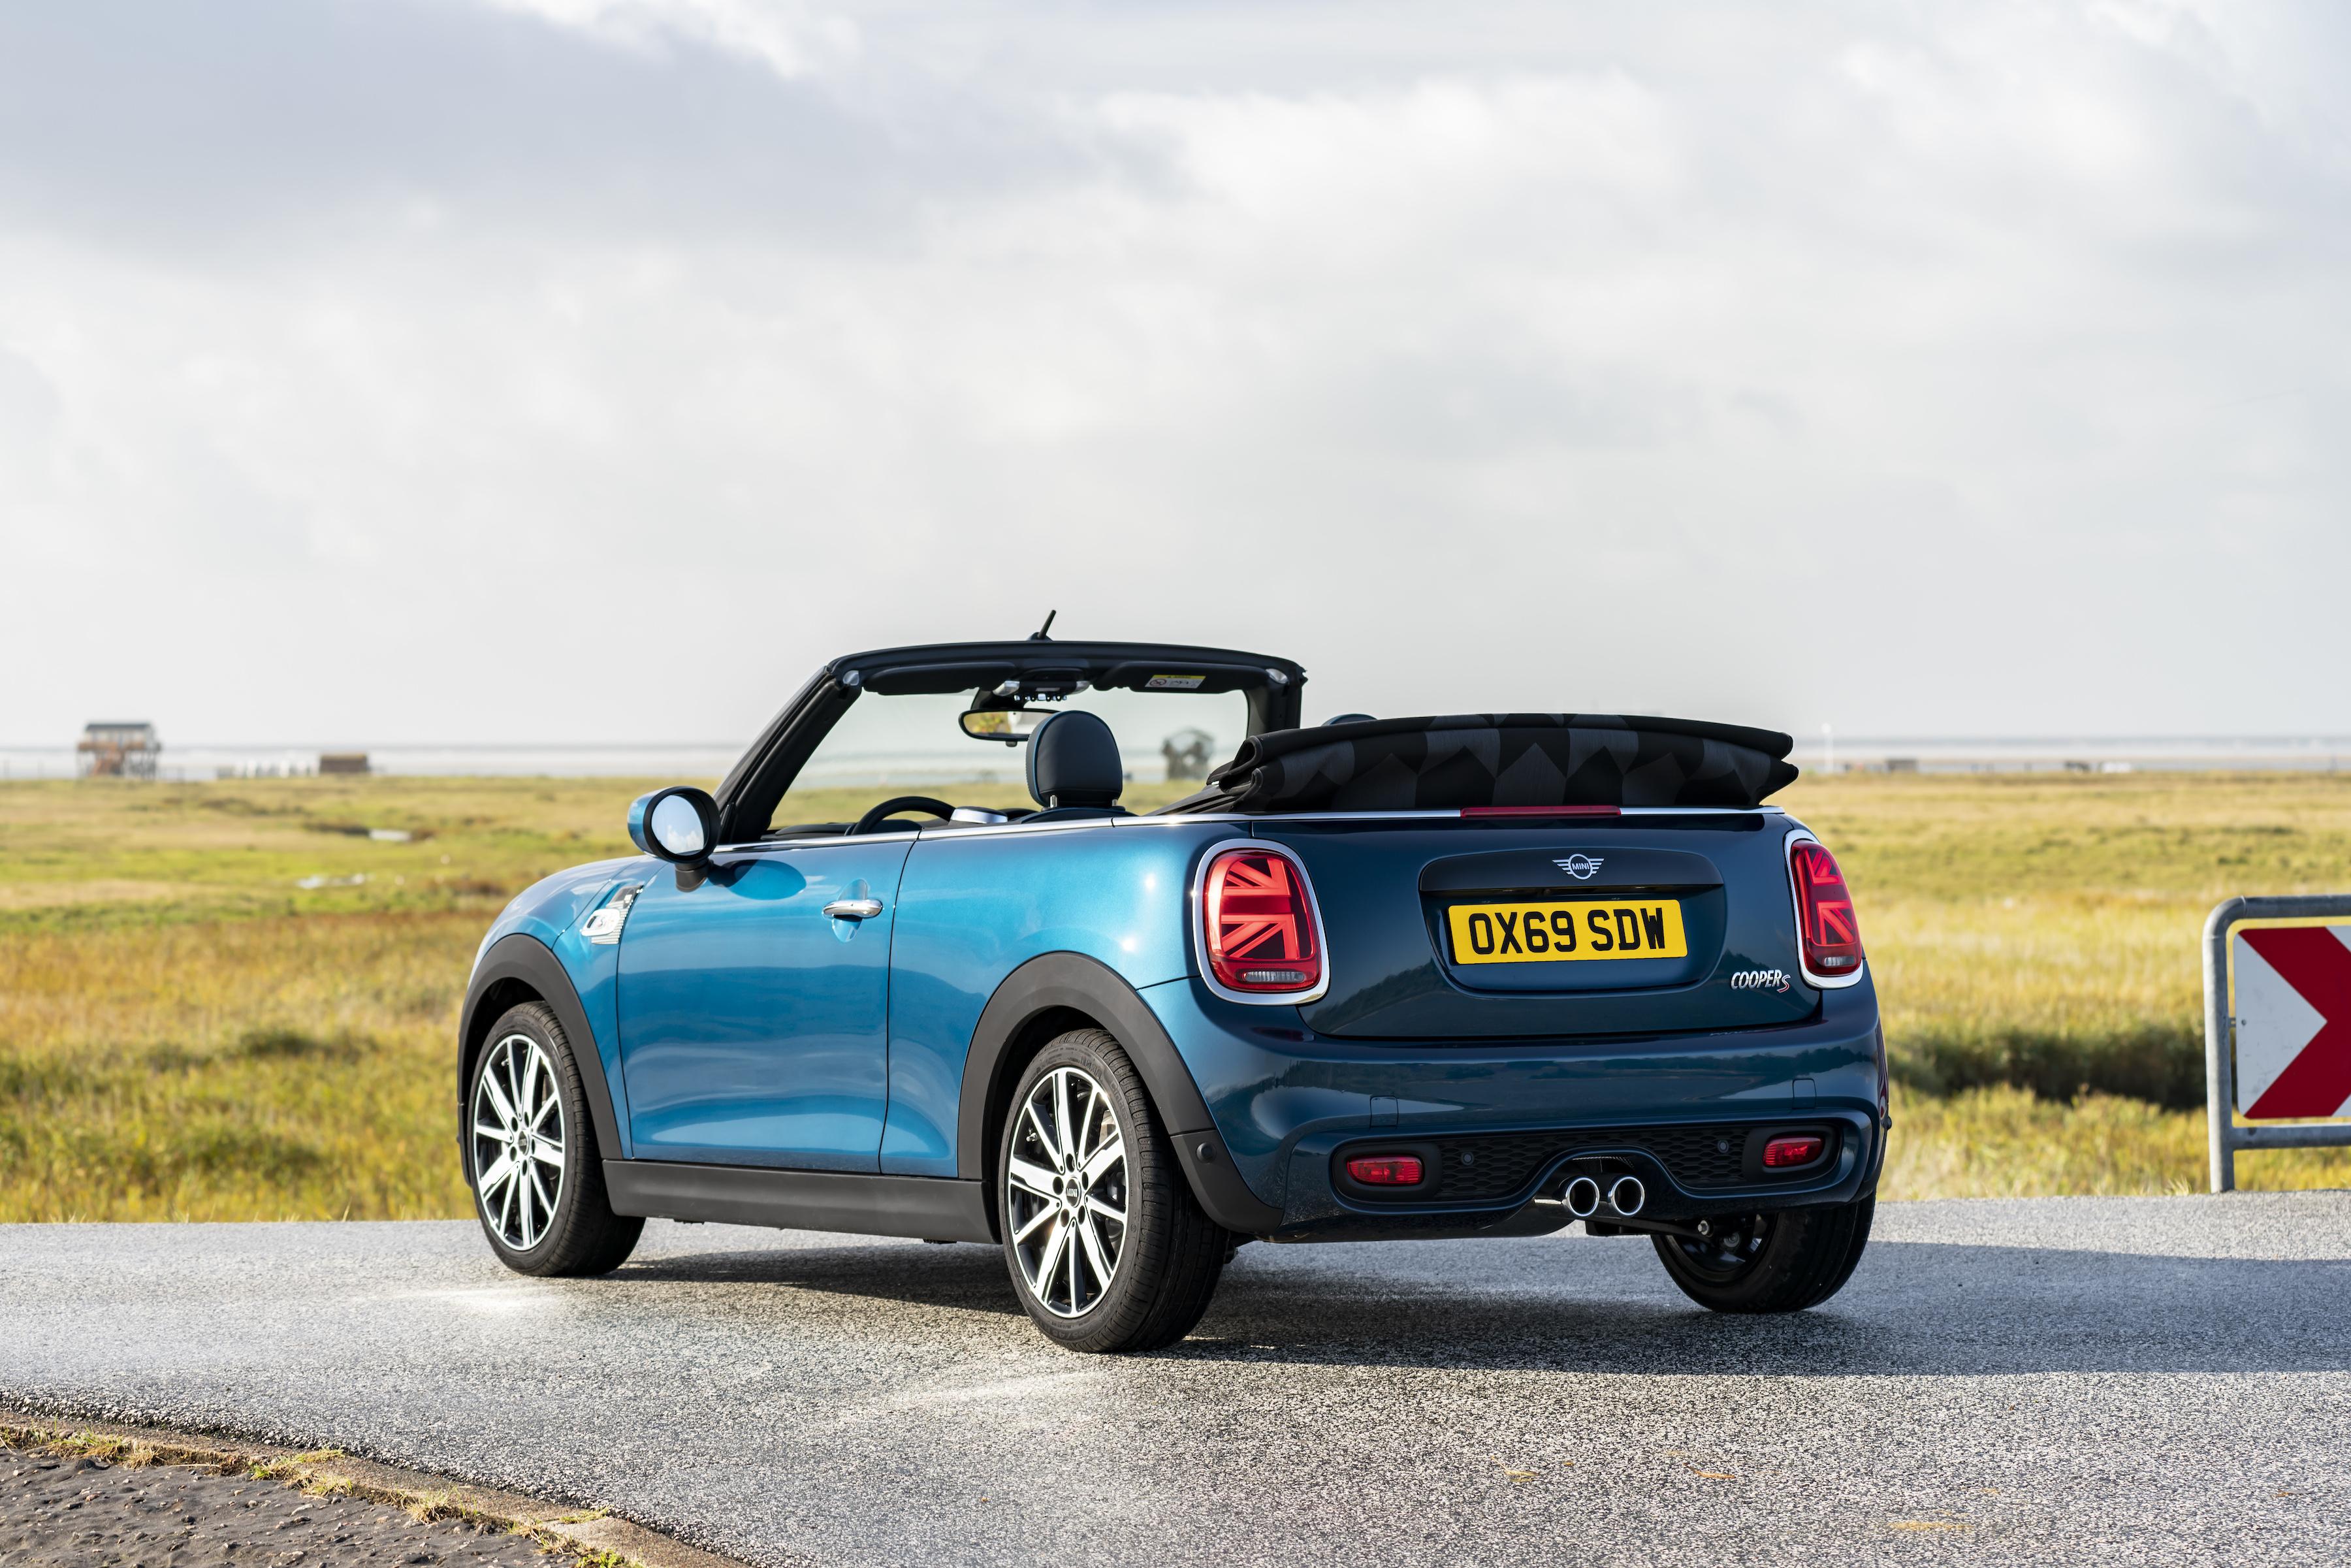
[1579,866]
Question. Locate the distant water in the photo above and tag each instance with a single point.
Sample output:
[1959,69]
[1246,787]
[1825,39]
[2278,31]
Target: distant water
[963,762]
[691,763]
[2154,754]
[201,761]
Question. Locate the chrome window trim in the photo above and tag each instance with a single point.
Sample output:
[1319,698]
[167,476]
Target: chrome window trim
[1796,912]
[999,831]
[975,830]
[1270,819]
[1444,814]
[1200,929]
[775,846]
[1702,810]
[1454,813]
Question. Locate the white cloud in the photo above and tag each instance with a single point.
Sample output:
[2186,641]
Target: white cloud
[1946,374]
[792,40]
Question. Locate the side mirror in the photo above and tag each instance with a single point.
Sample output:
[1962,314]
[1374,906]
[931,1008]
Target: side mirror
[679,824]
[1011,725]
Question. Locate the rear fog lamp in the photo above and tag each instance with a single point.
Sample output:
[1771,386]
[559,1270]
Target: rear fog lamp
[1781,1153]
[1385,1170]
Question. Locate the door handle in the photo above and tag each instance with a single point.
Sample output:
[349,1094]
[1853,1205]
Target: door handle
[854,908]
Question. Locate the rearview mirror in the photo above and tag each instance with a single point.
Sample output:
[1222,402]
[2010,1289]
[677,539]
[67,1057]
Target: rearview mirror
[1011,725]
[679,824]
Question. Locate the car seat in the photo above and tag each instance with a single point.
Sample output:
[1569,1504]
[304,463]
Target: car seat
[1074,769]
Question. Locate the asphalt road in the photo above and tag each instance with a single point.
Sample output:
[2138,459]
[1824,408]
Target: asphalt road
[2137,1380]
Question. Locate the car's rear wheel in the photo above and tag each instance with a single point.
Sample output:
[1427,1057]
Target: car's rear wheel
[1106,1245]
[1780,1262]
[531,1156]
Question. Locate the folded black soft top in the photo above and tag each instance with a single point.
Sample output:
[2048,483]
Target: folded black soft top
[1453,760]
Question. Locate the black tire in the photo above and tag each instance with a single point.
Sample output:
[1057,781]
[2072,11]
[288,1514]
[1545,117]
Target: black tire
[1166,1255]
[1864,1212]
[575,1231]
[1806,1256]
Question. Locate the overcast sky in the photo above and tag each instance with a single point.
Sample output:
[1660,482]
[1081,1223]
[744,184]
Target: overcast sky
[590,369]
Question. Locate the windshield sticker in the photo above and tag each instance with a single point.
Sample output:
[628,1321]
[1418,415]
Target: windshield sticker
[1174,683]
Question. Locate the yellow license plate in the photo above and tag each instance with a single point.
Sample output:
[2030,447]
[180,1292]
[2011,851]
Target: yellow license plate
[1557,933]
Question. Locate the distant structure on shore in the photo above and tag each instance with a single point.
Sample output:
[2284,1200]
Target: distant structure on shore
[1186,753]
[118,750]
[343,762]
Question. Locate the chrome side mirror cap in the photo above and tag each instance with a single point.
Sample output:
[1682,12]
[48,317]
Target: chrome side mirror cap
[679,824]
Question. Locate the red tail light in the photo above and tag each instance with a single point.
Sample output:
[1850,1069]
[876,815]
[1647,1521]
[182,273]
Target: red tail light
[1258,924]
[1824,918]
[1385,1170]
[1803,1150]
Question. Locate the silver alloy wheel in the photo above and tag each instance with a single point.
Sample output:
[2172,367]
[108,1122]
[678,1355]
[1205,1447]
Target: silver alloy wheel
[518,1141]
[1065,1192]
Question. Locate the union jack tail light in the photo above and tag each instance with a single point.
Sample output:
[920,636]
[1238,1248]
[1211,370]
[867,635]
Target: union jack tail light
[1824,919]
[1258,924]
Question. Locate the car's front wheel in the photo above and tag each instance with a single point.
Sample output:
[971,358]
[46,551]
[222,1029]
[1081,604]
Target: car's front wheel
[1782,1262]
[531,1154]
[1106,1245]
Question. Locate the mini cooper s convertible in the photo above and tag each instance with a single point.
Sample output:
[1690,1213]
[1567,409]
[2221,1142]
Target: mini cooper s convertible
[1374,979]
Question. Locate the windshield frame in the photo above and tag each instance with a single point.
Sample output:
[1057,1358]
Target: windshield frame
[754,786]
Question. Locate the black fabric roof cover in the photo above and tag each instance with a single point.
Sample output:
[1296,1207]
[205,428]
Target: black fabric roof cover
[1499,759]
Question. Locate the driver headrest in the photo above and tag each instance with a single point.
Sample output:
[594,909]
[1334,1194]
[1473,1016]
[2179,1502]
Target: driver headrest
[1074,761]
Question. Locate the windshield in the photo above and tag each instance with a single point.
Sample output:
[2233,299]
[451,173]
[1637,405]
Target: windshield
[915,745]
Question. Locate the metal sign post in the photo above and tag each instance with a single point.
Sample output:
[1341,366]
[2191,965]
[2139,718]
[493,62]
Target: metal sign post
[2285,1033]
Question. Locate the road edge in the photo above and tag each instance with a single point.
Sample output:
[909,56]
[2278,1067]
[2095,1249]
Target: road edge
[589,1534]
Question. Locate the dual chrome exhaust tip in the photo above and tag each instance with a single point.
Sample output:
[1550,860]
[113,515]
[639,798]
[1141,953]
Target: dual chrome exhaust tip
[1625,1195]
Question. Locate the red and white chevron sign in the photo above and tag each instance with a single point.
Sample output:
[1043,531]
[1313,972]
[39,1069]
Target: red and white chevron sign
[2293,1020]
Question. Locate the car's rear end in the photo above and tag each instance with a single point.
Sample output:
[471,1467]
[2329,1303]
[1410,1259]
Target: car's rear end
[1489,1019]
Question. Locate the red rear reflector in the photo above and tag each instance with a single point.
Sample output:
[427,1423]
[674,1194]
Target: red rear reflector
[1386,1170]
[1541,811]
[1257,924]
[1780,1153]
[1832,937]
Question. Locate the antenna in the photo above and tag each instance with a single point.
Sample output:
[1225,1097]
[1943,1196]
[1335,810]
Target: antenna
[1039,634]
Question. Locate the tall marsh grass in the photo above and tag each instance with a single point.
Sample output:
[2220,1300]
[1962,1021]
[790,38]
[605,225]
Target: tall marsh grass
[2042,931]
[187,1031]
[260,1068]
[2005,1142]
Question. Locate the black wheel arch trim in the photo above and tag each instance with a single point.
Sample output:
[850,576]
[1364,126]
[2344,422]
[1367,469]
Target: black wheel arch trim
[1072,982]
[524,959]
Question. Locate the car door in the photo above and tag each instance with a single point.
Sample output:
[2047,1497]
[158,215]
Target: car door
[754,1002]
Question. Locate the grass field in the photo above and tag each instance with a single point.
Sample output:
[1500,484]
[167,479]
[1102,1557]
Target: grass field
[2042,929]
[188,1032]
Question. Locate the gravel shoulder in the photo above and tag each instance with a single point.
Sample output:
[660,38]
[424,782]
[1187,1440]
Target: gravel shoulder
[73,1494]
[2120,1380]
[82,1511]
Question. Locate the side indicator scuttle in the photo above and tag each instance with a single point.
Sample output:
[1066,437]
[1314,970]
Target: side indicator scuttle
[604,926]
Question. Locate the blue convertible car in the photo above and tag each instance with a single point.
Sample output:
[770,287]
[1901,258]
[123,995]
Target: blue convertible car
[1471,975]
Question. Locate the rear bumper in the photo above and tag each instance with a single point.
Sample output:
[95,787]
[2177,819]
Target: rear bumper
[1285,1101]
